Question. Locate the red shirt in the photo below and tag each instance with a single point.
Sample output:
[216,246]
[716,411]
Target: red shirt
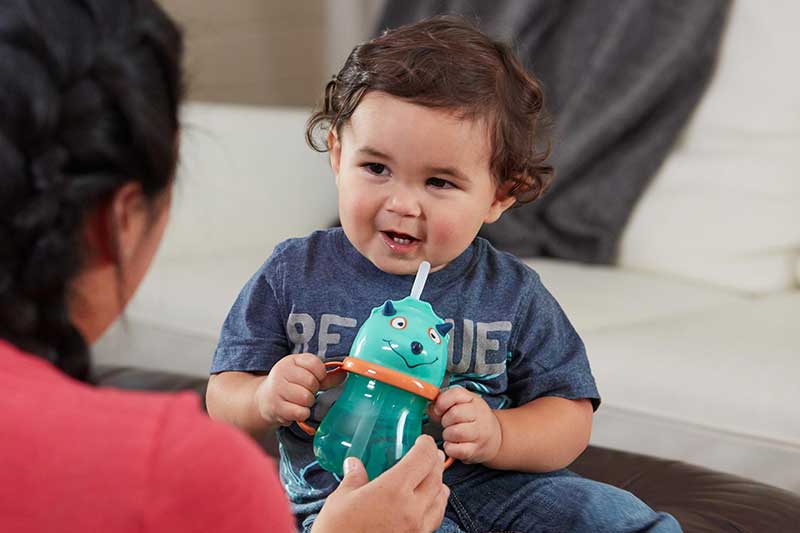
[80,458]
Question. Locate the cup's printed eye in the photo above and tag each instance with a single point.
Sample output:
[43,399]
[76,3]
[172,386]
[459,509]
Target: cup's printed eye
[434,335]
[399,322]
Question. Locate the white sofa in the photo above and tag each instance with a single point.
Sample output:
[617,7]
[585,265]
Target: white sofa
[694,336]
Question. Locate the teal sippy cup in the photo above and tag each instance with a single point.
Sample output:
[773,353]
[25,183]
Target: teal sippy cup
[396,366]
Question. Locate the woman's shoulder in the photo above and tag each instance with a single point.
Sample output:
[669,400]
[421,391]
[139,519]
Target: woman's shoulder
[212,469]
[159,454]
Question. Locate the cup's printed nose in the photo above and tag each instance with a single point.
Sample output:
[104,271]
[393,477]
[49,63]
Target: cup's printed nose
[416,348]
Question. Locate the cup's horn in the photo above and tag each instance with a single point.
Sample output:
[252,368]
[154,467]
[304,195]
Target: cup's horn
[444,328]
[388,309]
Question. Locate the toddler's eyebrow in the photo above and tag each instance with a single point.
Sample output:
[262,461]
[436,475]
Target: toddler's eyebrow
[368,150]
[450,171]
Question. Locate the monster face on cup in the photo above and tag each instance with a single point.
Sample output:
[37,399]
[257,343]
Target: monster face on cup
[406,336]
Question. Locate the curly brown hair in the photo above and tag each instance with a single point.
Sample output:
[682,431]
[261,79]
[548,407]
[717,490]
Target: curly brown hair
[446,62]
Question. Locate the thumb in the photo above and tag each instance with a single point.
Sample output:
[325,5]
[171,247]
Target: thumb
[332,380]
[436,419]
[355,475]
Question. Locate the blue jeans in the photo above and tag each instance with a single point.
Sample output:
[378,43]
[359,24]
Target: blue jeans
[484,500]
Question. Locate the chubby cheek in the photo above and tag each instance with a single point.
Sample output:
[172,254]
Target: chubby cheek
[451,235]
[357,210]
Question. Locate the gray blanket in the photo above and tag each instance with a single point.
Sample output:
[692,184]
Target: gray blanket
[621,79]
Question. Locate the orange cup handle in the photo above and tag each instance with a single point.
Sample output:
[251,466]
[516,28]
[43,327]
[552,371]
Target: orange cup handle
[331,367]
[448,462]
[308,429]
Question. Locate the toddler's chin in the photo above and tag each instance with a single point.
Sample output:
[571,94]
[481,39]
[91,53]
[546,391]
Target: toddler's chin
[402,268]
[398,268]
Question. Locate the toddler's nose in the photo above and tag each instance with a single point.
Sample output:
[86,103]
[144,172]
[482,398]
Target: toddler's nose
[416,348]
[403,202]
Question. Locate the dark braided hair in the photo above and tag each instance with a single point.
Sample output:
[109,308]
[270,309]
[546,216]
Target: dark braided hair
[89,96]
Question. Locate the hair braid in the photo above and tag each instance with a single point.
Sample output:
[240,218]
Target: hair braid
[88,102]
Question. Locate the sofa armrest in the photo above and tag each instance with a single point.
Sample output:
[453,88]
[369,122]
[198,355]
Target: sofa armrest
[699,498]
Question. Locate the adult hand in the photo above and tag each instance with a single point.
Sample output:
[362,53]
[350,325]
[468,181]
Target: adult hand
[410,496]
[472,433]
[287,393]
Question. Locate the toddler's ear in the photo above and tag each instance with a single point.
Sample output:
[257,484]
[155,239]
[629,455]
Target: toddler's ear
[502,201]
[334,152]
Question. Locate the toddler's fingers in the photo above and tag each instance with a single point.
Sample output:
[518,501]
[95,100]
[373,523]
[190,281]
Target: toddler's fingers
[302,377]
[463,451]
[433,416]
[289,412]
[312,363]
[459,414]
[467,432]
[450,397]
[297,394]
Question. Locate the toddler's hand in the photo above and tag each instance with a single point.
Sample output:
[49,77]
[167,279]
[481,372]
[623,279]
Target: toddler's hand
[472,432]
[287,393]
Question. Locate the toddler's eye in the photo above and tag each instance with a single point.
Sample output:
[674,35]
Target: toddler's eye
[439,183]
[398,322]
[434,335]
[376,168]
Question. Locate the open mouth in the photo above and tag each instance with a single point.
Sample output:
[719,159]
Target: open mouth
[389,344]
[400,238]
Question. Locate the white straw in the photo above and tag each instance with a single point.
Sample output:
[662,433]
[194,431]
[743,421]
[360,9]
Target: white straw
[419,281]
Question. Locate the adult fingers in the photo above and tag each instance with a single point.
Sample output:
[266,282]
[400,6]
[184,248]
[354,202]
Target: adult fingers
[355,475]
[312,363]
[417,464]
[449,398]
[434,514]
[429,487]
[459,414]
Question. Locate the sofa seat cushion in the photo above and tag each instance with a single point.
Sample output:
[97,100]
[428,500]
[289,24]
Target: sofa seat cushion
[601,297]
[193,294]
[705,387]
[173,321]
[737,367]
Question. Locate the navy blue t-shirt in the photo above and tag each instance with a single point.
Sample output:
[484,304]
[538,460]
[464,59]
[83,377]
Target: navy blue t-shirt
[511,342]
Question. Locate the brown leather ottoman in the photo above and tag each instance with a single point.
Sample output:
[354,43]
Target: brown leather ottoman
[700,499]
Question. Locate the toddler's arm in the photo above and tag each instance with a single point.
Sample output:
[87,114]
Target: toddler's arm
[545,434]
[258,404]
[231,397]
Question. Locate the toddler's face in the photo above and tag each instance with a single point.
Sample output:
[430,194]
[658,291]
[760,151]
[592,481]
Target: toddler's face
[414,183]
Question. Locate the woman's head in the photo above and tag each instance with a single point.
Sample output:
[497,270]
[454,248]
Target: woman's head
[89,96]
[447,63]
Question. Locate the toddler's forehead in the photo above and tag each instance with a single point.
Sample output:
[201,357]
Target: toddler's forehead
[401,127]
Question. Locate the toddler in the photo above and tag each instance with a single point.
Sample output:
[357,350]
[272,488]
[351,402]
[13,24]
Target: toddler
[433,130]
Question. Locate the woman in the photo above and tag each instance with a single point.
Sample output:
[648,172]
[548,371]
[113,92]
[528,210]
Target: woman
[89,98]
